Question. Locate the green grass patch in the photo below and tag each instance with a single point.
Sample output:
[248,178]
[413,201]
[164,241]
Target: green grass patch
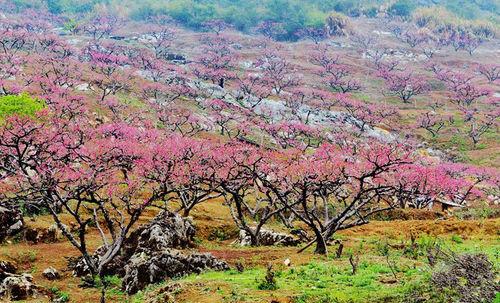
[22,105]
[388,272]
[317,281]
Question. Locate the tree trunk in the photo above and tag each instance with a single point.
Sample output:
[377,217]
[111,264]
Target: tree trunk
[254,238]
[321,248]
[339,250]
[186,211]
[103,290]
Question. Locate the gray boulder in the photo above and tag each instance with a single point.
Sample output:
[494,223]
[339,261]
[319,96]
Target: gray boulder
[52,234]
[51,273]
[166,230]
[143,269]
[18,287]
[269,238]
[7,267]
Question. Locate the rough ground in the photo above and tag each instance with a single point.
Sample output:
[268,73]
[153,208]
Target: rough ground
[216,235]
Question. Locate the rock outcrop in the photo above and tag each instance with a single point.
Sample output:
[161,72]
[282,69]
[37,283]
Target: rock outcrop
[7,267]
[167,230]
[14,286]
[269,238]
[18,287]
[11,221]
[35,235]
[153,253]
[143,269]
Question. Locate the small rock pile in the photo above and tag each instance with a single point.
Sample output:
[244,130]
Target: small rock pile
[51,274]
[52,234]
[269,238]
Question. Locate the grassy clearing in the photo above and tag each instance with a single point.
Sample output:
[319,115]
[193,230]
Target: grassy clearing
[390,270]
[326,279]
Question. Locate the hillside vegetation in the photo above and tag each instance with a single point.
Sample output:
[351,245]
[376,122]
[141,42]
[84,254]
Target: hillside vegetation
[246,15]
[249,151]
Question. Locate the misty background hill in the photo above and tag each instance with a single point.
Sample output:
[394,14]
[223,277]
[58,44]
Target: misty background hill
[246,14]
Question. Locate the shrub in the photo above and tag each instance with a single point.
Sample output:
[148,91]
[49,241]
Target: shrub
[54,6]
[27,4]
[307,298]
[370,12]
[440,19]
[71,25]
[144,13]
[61,296]
[468,278]
[479,212]
[457,239]
[422,292]
[269,282]
[432,16]
[22,105]
[71,6]
[402,8]
[344,6]
[219,235]
[113,281]
[26,257]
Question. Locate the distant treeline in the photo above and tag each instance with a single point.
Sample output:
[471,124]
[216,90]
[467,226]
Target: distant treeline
[247,14]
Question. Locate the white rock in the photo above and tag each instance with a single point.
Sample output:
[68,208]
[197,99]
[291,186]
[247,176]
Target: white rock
[287,262]
[51,273]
